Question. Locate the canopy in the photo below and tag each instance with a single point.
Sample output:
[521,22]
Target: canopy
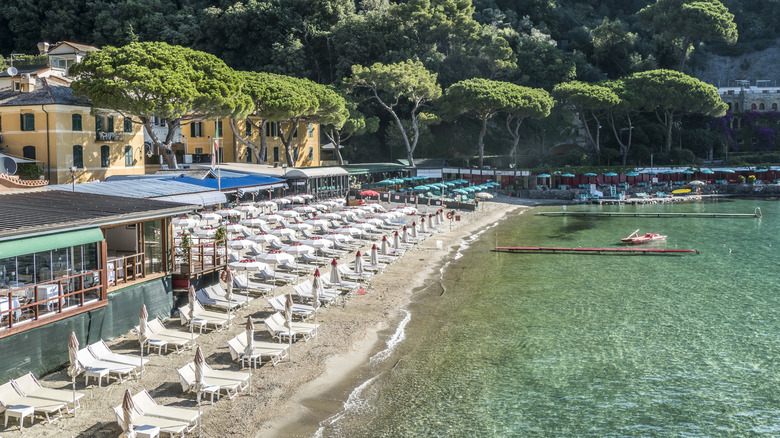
[48,242]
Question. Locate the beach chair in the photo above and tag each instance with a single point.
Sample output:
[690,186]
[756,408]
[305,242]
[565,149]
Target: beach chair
[159,336]
[218,291]
[91,363]
[278,330]
[333,253]
[273,352]
[302,311]
[218,323]
[101,351]
[298,326]
[187,382]
[209,299]
[345,285]
[146,405]
[351,274]
[269,274]
[11,399]
[299,268]
[245,284]
[29,386]
[146,422]
[232,382]
[315,260]
[326,295]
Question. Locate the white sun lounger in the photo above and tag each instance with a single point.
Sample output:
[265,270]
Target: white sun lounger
[351,274]
[90,362]
[29,386]
[218,323]
[208,298]
[217,290]
[145,404]
[304,292]
[280,277]
[244,284]
[273,352]
[302,311]
[101,352]
[280,332]
[299,326]
[140,422]
[10,397]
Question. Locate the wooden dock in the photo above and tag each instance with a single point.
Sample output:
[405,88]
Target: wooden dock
[597,251]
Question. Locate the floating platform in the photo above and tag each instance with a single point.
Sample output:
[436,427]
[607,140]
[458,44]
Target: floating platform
[599,251]
[647,214]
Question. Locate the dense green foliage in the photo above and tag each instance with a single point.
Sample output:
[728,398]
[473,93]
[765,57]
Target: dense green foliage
[536,44]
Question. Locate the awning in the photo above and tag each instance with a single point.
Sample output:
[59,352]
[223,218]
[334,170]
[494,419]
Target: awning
[29,245]
[203,198]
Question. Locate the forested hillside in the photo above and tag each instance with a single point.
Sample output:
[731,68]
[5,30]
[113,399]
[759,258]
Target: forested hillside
[532,43]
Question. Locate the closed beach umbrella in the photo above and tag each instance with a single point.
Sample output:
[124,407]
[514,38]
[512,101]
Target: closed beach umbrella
[316,285]
[397,240]
[335,277]
[127,412]
[228,288]
[358,263]
[414,232]
[423,225]
[250,345]
[375,254]
[288,305]
[384,244]
[142,322]
[191,312]
[200,371]
[75,367]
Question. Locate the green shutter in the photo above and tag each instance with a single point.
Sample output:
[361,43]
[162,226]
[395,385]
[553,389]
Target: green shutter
[12,248]
[192,129]
[98,124]
[111,124]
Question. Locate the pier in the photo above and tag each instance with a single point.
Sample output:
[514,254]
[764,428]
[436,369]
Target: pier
[597,251]
[757,214]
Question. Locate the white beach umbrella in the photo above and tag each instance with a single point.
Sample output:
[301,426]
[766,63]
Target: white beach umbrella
[143,318]
[295,199]
[316,285]
[330,216]
[275,257]
[281,201]
[363,226]
[374,221]
[321,223]
[128,408]
[228,212]
[301,226]
[351,231]
[320,206]
[414,231]
[375,254]
[406,234]
[318,242]
[253,222]
[384,244]
[288,213]
[335,277]
[75,367]
[205,233]
[397,240]
[347,213]
[697,182]
[306,196]
[298,249]
[246,208]
[358,263]
[264,238]
[483,195]
[185,222]
[305,209]
[237,228]
[248,265]
[190,312]
[271,217]
[265,204]
[210,217]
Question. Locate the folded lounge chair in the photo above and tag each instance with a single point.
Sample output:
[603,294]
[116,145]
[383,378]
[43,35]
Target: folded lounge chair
[273,352]
[145,404]
[29,386]
[10,397]
[101,352]
[140,422]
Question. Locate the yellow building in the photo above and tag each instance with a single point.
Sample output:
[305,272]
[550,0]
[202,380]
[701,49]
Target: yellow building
[198,136]
[41,120]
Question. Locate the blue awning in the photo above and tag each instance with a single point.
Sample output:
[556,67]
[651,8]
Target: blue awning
[203,199]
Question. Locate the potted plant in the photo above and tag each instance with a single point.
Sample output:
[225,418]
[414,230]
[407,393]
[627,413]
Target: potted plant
[741,179]
[751,179]
[186,243]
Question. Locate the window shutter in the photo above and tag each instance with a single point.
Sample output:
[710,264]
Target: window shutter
[111,124]
[98,124]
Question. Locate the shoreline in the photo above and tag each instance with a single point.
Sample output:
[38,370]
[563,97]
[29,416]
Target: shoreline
[302,417]
[293,397]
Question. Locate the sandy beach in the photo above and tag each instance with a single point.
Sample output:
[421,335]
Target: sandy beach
[289,398]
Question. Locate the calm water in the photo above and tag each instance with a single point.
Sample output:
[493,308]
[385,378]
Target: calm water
[588,345]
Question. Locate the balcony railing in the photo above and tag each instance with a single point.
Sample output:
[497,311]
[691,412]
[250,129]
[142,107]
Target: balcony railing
[109,136]
[206,256]
[24,304]
[124,269]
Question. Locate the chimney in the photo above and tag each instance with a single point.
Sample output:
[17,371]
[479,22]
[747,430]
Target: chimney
[43,48]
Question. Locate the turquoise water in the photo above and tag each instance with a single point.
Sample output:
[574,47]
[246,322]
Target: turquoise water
[589,345]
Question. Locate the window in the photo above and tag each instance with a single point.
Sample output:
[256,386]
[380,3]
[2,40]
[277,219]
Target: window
[196,129]
[128,156]
[104,123]
[17,86]
[774,108]
[761,107]
[311,153]
[28,152]
[58,63]
[311,130]
[78,156]
[105,156]
[295,155]
[736,106]
[28,122]
[218,129]
[248,155]
[248,128]
[276,154]
[1,123]
[295,131]
[76,122]
[128,124]
[271,129]
[752,106]
[198,150]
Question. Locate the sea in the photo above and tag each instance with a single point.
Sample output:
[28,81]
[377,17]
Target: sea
[570,345]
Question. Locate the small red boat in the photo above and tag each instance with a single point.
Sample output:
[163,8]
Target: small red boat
[635,238]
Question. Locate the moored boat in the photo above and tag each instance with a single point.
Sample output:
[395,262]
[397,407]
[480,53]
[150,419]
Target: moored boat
[635,238]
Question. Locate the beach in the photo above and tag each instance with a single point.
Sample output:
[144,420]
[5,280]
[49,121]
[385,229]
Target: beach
[287,399]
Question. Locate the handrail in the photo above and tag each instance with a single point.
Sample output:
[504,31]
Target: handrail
[127,262]
[78,280]
[199,261]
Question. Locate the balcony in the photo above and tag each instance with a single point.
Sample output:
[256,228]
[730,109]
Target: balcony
[109,136]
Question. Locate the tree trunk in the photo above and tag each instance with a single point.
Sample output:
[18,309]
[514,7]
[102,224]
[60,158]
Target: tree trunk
[684,53]
[388,108]
[481,142]
[251,146]
[287,142]
[164,146]
[335,138]
[514,132]
[263,143]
